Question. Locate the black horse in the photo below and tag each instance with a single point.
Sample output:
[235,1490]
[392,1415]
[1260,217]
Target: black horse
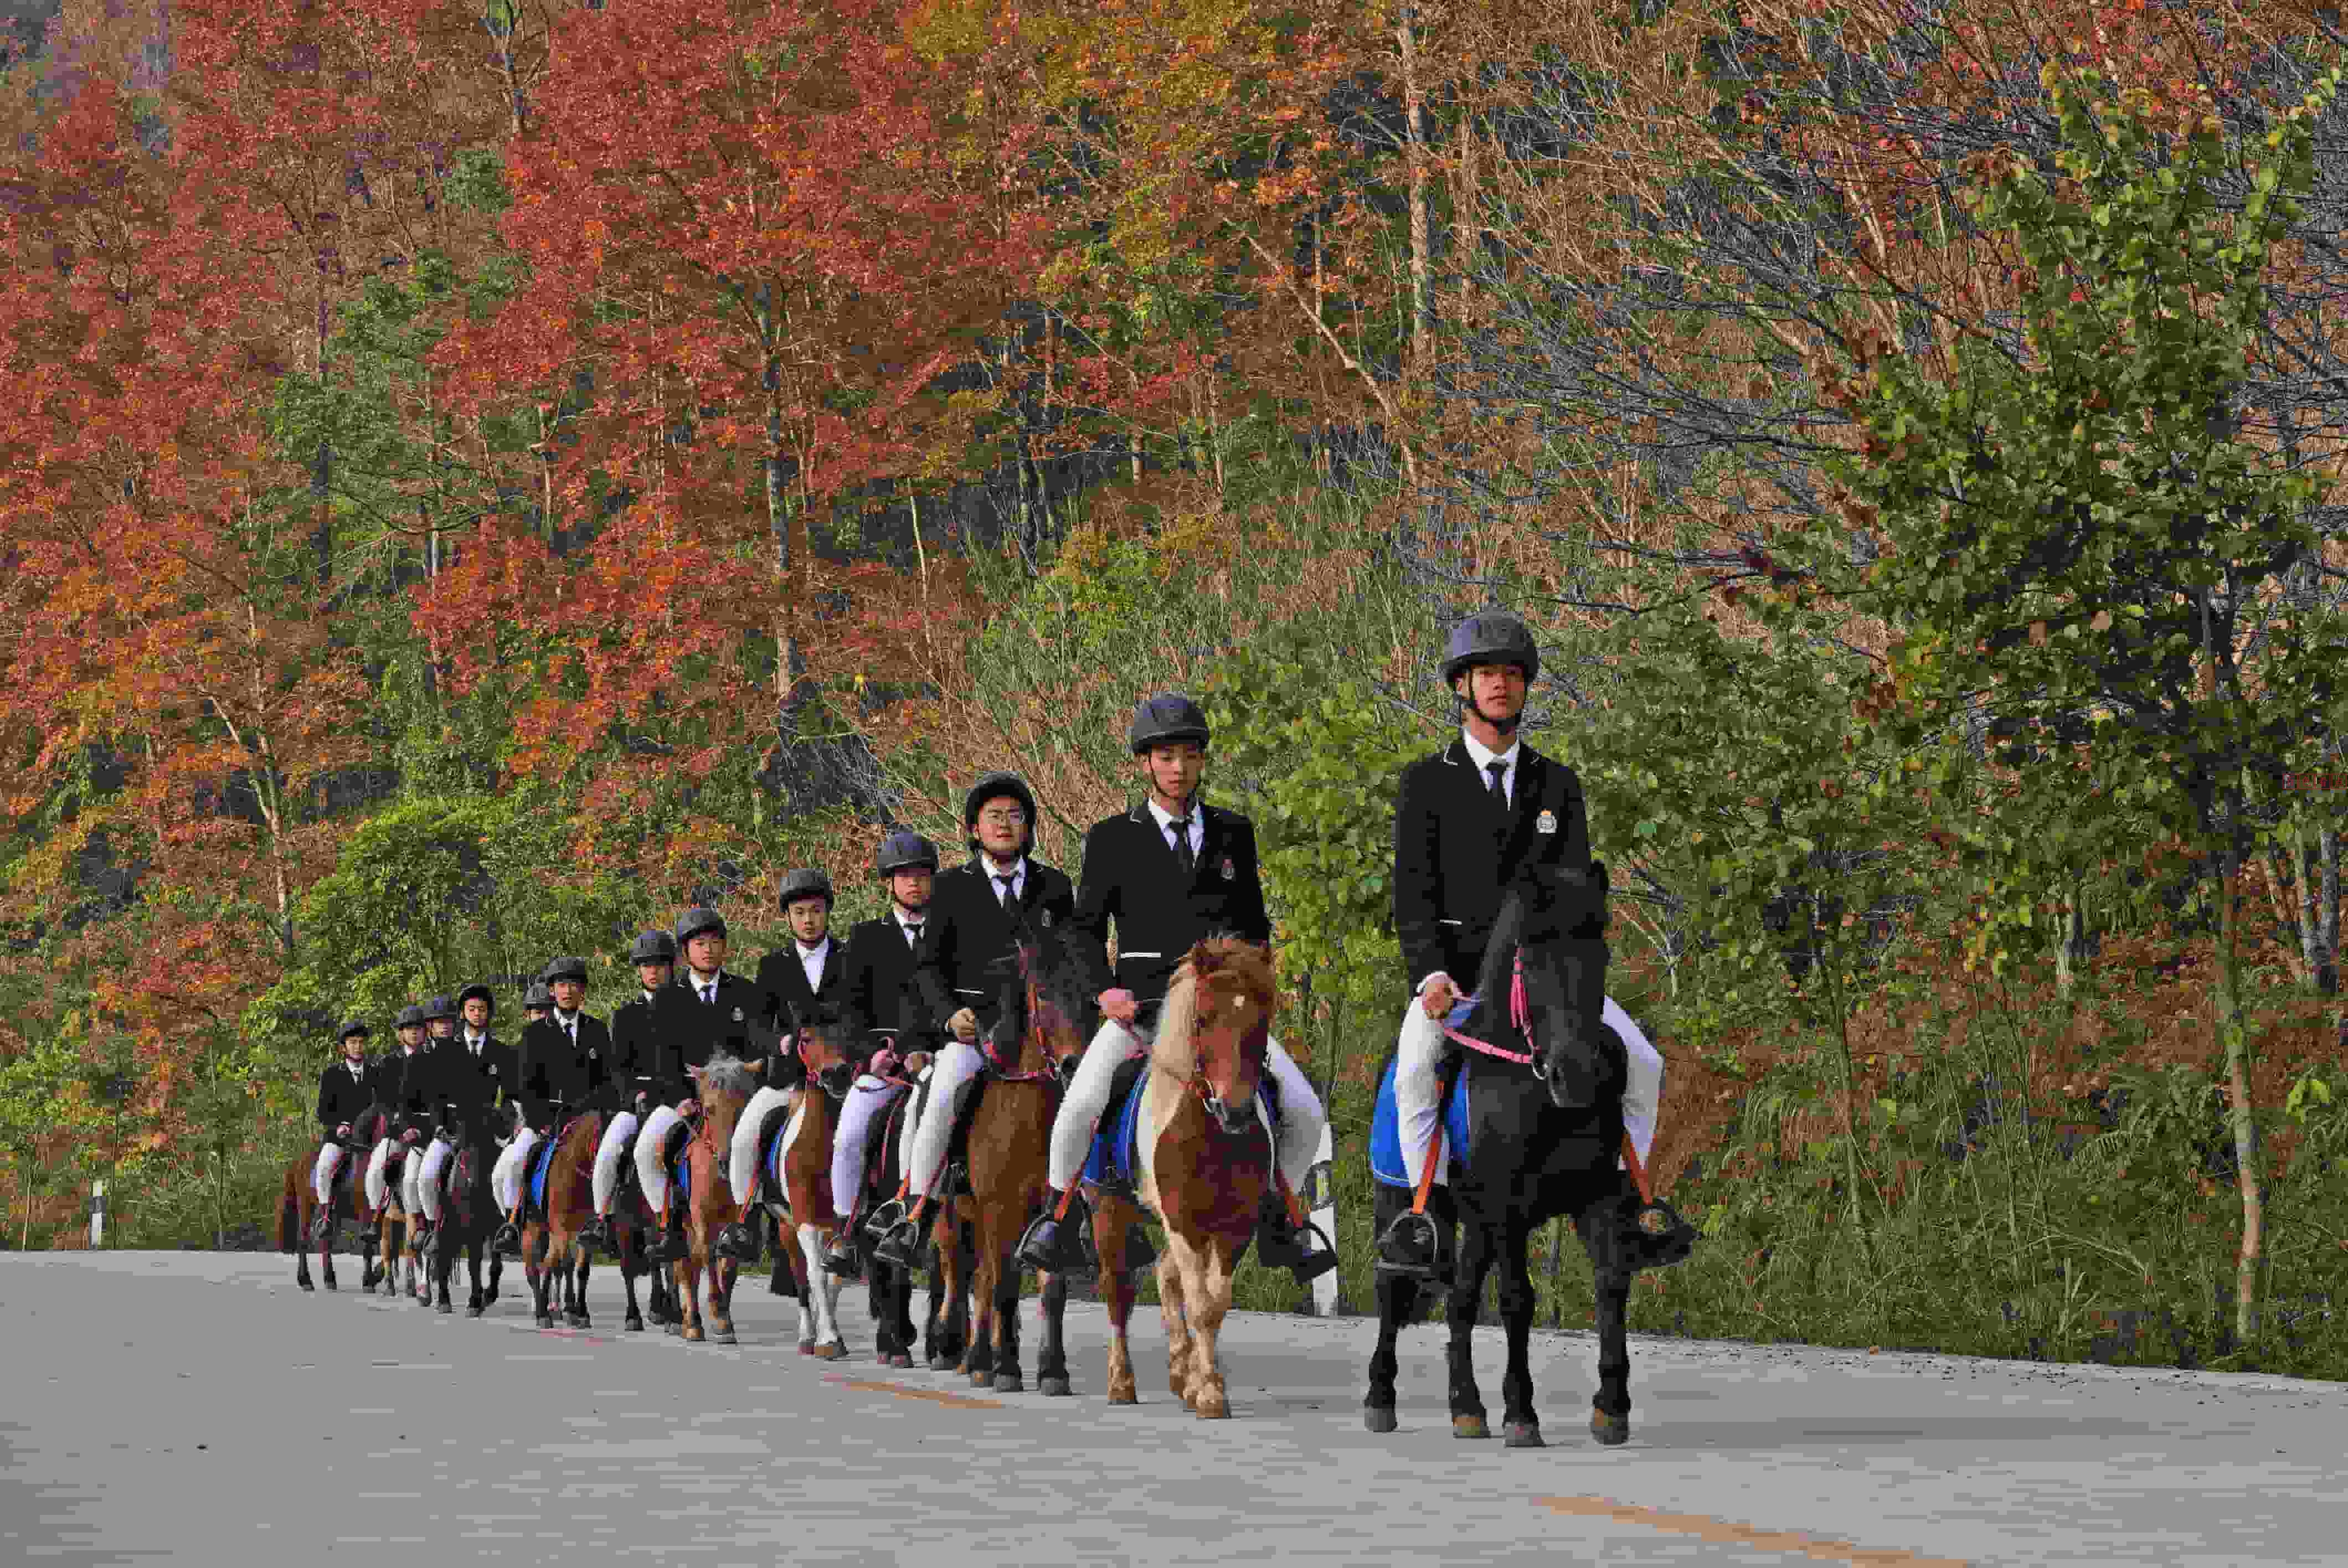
[468,1215]
[1544,1136]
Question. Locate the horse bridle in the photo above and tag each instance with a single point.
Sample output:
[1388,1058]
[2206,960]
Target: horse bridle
[1049,1071]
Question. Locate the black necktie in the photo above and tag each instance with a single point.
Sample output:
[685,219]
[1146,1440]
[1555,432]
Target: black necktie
[913,934]
[709,993]
[1008,901]
[1499,771]
[1180,828]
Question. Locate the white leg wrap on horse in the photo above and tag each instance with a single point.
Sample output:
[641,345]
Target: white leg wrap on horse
[1418,1113]
[955,1066]
[1642,1097]
[741,1164]
[1087,1100]
[648,1155]
[377,1163]
[1301,1117]
[428,1185]
[607,1160]
[322,1182]
[869,1101]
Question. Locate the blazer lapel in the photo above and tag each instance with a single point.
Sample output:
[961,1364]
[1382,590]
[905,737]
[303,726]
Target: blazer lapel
[1531,782]
[1211,833]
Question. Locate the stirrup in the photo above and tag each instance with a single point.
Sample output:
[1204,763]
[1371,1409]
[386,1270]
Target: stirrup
[886,1218]
[1409,1229]
[1316,1260]
[739,1241]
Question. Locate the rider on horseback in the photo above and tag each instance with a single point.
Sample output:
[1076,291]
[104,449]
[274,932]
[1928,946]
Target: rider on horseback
[419,1098]
[876,991]
[469,1072]
[564,1060]
[634,1053]
[795,979]
[969,934]
[391,1080]
[1169,873]
[536,1003]
[1465,820]
[708,1012]
[346,1089]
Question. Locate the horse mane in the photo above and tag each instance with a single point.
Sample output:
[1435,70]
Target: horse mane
[1500,958]
[1226,962]
[730,1075]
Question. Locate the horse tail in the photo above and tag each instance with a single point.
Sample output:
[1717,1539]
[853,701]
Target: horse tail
[289,1211]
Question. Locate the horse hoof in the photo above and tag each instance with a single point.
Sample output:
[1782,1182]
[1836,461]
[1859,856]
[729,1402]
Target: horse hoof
[1525,1435]
[446,1309]
[806,1346]
[1212,1408]
[724,1337]
[305,1285]
[1469,1427]
[981,1379]
[1378,1419]
[330,1285]
[635,1325]
[543,1320]
[1054,1388]
[475,1311]
[1123,1397]
[675,1330]
[1611,1430]
[692,1332]
[942,1363]
[1009,1383]
[902,1359]
[835,1351]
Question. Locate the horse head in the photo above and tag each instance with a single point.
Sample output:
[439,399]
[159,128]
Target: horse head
[1547,957]
[1216,1027]
[1038,1028]
[725,1085]
[832,1051]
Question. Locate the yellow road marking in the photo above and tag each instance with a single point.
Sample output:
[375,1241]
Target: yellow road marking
[1727,1532]
[903,1392]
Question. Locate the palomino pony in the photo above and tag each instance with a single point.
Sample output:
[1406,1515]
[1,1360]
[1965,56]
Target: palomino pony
[1033,1051]
[826,1048]
[297,1203]
[468,1216]
[725,1085]
[1545,1080]
[1204,1162]
[551,1248]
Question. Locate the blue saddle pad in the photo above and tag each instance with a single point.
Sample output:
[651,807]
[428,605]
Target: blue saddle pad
[770,1158]
[1112,1157]
[1386,1129]
[542,1159]
[681,1168]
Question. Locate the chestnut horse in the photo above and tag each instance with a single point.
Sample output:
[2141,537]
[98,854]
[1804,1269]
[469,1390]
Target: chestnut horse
[725,1085]
[550,1248]
[833,1053]
[1205,1161]
[1032,1053]
[298,1201]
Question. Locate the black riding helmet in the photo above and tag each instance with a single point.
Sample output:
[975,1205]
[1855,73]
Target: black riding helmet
[1163,719]
[440,1006]
[354,1027]
[905,850]
[565,969]
[538,995]
[998,786]
[696,920]
[476,990]
[410,1017]
[653,948]
[807,882]
[1491,637]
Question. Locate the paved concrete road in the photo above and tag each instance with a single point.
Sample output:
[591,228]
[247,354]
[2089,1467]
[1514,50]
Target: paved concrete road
[196,1407]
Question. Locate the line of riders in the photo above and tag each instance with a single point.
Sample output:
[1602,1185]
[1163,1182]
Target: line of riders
[1164,874]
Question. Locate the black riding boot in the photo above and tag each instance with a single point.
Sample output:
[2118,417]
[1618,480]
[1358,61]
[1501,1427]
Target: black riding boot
[903,1245]
[1281,1243]
[1056,1245]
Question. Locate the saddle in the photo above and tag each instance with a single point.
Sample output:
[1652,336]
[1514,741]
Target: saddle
[955,1182]
[1111,1166]
[541,1161]
[768,1188]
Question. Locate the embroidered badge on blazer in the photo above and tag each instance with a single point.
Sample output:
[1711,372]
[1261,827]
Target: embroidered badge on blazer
[737,1015]
[1230,872]
[1044,917]
[1547,823]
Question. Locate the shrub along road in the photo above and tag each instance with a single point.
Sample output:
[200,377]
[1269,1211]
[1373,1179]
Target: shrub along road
[196,1406]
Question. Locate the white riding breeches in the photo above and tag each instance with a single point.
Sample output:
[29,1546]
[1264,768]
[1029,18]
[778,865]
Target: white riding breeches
[428,1185]
[648,1156]
[1301,1117]
[505,1176]
[330,1158]
[1418,1082]
[867,1103]
[607,1158]
[951,1072]
[410,1168]
[378,1165]
[908,1127]
[742,1155]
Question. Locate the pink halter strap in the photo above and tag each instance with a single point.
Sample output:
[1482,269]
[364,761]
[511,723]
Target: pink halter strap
[1520,1014]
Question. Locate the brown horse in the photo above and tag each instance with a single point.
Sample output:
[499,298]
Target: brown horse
[1205,1161]
[1032,1051]
[298,1201]
[725,1085]
[550,1238]
[807,1219]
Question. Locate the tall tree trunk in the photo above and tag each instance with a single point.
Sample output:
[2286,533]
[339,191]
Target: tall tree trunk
[2235,1039]
[1413,99]
[782,518]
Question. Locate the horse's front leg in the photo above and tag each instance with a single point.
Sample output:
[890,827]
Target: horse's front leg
[1052,1357]
[1478,1246]
[1521,1426]
[821,1296]
[533,1268]
[722,1272]
[1610,1410]
[1173,1310]
[474,1303]
[688,1297]
[583,1265]
[1009,1378]
[1208,1301]
[1397,1296]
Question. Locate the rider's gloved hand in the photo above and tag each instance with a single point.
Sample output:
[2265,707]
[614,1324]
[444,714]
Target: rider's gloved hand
[1119,1004]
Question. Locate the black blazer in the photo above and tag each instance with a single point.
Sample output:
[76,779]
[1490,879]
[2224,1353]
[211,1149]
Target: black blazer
[692,1030]
[636,1057]
[550,1070]
[475,1085]
[342,1098]
[968,931]
[785,982]
[1455,853]
[1131,876]
[406,1076]
[875,985]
